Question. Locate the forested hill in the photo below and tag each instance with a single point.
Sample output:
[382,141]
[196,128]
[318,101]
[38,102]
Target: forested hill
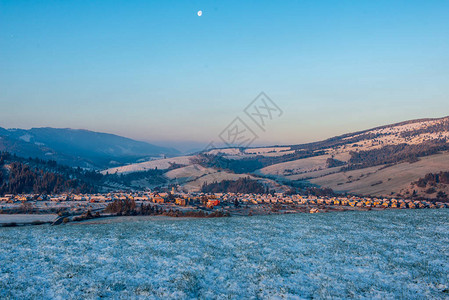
[242,185]
[74,147]
[20,175]
[27,175]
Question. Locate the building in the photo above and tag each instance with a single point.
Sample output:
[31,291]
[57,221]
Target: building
[213,203]
[180,202]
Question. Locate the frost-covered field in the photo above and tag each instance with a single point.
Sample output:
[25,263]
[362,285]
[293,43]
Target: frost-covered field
[388,254]
[27,218]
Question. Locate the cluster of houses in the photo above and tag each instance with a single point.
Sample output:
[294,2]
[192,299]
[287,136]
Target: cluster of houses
[181,199]
[225,199]
[361,202]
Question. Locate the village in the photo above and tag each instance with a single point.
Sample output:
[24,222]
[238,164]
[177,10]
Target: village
[231,204]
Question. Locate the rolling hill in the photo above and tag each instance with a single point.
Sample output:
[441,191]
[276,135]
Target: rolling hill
[382,161]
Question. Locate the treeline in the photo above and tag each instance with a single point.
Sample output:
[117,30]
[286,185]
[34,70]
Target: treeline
[34,175]
[338,141]
[392,154]
[332,163]
[52,166]
[130,208]
[218,162]
[437,128]
[248,165]
[319,192]
[242,185]
[351,138]
[24,179]
[303,187]
[433,179]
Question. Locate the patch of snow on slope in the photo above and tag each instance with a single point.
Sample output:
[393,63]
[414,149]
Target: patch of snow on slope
[26,138]
[266,150]
[396,130]
[299,166]
[227,151]
[149,165]
[191,172]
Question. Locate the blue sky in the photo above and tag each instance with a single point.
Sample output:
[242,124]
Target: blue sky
[155,71]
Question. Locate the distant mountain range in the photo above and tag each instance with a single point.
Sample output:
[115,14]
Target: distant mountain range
[77,147]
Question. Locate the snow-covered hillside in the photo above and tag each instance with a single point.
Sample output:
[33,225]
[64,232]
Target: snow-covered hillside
[160,164]
[320,163]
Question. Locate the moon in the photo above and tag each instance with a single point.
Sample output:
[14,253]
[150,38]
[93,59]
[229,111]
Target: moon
[200,13]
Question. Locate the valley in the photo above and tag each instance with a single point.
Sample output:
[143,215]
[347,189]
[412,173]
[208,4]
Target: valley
[383,161]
